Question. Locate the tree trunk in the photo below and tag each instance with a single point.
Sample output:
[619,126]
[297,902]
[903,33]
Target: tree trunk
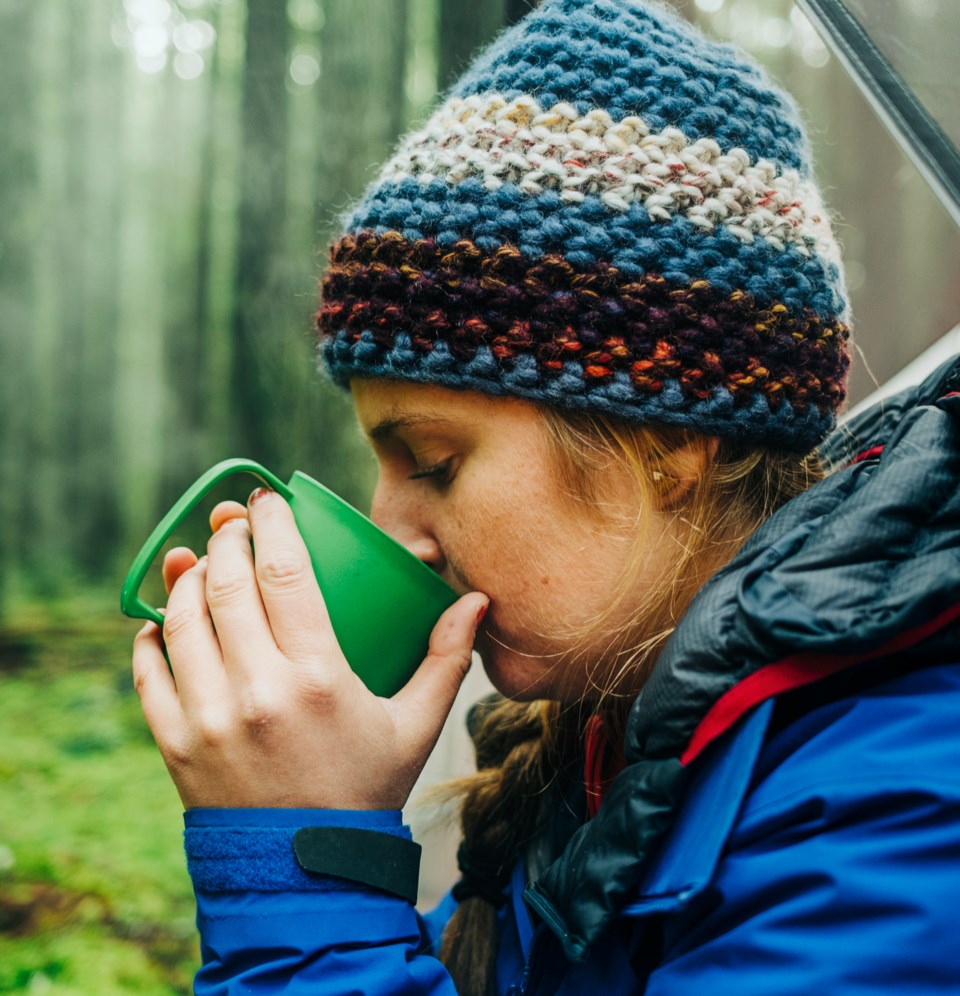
[186,161]
[18,176]
[464,29]
[221,195]
[362,96]
[362,108]
[515,9]
[95,260]
[262,289]
[141,401]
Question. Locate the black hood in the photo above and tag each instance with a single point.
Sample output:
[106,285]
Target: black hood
[861,566]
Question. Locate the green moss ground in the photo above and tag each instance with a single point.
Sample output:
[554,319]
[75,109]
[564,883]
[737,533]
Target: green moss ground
[94,895]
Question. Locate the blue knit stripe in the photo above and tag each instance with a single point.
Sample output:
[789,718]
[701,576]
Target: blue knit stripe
[718,414]
[588,233]
[630,60]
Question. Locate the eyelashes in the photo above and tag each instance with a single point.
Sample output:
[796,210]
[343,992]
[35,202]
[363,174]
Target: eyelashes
[441,472]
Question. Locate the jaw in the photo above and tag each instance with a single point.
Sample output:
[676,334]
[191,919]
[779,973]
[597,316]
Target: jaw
[521,676]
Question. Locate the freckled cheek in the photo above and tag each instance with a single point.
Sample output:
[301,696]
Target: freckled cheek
[497,535]
[515,569]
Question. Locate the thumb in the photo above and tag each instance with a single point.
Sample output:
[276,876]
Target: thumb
[424,703]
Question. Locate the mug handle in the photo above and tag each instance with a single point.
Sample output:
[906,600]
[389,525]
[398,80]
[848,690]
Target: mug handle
[131,603]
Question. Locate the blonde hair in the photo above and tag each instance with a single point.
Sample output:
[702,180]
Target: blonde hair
[521,746]
[735,489]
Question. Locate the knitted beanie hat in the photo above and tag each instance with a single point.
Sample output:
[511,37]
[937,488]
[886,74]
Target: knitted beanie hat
[609,213]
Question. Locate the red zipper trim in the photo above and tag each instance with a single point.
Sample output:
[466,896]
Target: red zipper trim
[869,454]
[603,761]
[795,672]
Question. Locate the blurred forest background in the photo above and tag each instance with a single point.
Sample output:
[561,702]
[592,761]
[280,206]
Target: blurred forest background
[170,174]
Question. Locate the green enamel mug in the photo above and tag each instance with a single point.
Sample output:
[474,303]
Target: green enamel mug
[383,602]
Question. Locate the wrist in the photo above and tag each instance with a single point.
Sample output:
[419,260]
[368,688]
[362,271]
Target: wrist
[300,850]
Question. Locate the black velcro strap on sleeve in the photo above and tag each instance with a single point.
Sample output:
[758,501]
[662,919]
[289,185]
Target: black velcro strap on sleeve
[381,860]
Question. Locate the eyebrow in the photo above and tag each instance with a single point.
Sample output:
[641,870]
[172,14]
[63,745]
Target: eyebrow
[389,427]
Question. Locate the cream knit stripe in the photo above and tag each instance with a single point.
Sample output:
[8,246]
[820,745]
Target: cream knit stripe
[622,162]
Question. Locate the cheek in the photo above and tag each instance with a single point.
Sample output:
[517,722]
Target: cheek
[504,542]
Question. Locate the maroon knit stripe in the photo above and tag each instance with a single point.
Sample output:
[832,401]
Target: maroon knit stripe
[606,322]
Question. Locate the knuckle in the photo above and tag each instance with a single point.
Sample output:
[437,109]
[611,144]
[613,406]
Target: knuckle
[224,589]
[141,679]
[213,728]
[463,659]
[179,620]
[323,692]
[260,707]
[283,569]
[177,752]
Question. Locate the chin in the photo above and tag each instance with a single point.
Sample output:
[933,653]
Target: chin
[515,675]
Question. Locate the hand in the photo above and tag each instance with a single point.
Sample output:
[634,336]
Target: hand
[261,707]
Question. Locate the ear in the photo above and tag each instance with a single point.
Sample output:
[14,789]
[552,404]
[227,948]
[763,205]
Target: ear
[683,469]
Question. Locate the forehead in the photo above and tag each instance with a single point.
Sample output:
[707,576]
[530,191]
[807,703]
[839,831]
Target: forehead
[381,403]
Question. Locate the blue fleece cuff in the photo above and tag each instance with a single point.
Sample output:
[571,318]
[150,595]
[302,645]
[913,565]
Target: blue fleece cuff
[251,850]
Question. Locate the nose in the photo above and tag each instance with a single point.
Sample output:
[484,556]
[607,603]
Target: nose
[404,516]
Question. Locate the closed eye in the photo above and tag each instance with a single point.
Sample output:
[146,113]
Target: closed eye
[439,471]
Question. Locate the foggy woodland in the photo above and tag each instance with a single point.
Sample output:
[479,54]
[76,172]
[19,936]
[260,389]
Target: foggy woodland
[170,175]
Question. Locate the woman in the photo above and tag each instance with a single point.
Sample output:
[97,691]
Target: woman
[592,319]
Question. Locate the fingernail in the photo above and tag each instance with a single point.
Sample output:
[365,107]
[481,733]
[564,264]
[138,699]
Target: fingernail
[258,494]
[480,614]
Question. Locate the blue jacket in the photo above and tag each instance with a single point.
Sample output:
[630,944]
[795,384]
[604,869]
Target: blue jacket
[789,819]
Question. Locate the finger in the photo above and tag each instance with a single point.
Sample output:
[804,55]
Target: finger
[424,703]
[154,684]
[234,600]
[178,561]
[288,586]
[192,645]
[226,511]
